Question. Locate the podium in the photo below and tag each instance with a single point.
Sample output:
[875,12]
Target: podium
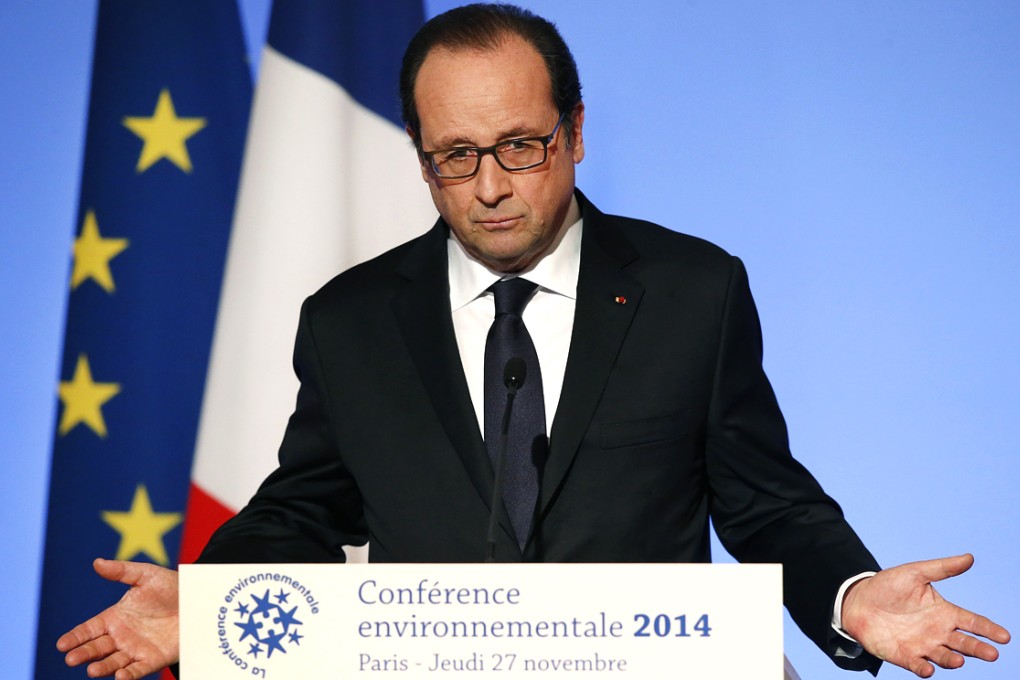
[440,621]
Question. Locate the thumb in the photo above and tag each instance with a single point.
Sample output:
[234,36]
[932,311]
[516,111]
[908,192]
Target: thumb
[945,567]
[128,573]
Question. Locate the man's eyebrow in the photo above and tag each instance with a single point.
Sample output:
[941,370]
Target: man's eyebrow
[460,140]
[517,132]
[450,142]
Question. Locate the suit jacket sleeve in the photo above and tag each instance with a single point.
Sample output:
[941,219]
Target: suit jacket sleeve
[766,507]
[309,507]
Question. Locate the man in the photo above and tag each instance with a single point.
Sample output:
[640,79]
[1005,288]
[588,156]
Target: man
[644,366]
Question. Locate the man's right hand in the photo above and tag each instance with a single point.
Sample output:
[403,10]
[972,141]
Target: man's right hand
[135,637]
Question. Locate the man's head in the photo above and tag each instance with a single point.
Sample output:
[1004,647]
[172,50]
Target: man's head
[486,75]
[484,27]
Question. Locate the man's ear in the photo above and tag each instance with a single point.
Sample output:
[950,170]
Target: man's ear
[421,161]
[577,134]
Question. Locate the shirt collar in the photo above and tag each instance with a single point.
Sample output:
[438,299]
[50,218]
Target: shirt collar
[554,271]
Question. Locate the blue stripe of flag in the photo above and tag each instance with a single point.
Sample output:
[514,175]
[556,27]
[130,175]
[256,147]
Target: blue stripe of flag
[151,334]
[356,43]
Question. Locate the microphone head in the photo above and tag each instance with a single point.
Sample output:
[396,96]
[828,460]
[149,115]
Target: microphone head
[514,373]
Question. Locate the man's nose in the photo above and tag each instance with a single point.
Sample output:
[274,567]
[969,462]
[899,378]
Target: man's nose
[492,183]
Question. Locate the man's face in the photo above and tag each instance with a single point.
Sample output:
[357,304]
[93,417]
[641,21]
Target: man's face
[479,98]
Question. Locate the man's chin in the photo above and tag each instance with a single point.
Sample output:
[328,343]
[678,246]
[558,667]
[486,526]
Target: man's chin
[503,253]
[506,263]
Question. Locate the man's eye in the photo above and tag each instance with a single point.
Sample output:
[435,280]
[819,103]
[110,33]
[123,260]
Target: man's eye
[519,145]
[457,154]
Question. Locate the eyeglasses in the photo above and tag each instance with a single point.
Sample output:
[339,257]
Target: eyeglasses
[513,155]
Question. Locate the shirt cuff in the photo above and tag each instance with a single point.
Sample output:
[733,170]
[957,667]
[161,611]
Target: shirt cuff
[852,649]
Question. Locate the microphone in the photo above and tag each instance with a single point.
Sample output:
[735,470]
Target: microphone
[514,374]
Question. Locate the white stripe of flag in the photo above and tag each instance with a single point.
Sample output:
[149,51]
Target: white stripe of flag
[326,184]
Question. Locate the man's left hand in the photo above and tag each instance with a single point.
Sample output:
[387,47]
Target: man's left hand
[899,617]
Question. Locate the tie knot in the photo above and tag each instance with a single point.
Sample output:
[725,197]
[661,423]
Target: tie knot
[512,295]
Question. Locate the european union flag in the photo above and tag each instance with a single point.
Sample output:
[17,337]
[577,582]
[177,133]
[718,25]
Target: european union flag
[167,119]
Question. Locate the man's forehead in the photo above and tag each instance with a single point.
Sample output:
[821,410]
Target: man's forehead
[511,60]
[506,87]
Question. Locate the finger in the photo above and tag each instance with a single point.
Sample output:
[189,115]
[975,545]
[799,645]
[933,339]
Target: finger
[983,626]
[135,671]
[963,643]
[80,634]
[946,658]
[109,665]
[945,567]
[921,668]
[90,651]
[969,646]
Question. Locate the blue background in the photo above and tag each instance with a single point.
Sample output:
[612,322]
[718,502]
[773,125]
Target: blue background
[862,157]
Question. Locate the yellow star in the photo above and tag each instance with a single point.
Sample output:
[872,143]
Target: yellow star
[164,134]
[141,530]
[92,255]
[83,399]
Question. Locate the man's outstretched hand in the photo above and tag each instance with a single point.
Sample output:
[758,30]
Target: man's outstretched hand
[898,616]
[135,637]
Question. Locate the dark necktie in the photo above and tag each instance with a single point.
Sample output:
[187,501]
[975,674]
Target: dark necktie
[526,441]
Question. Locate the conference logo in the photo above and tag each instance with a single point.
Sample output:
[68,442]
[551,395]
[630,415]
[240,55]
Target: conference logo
[263,618]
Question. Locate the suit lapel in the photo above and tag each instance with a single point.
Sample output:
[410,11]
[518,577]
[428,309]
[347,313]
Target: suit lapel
[607,299]
[422,310]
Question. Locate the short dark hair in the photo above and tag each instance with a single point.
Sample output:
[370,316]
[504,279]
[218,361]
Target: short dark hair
[486,26]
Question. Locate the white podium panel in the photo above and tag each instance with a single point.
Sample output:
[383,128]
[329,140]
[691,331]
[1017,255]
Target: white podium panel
[410,621]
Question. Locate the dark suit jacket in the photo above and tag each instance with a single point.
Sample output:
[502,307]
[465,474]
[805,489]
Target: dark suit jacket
[665,419]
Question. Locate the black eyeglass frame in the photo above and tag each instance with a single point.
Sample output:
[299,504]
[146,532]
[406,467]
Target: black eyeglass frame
[481,151]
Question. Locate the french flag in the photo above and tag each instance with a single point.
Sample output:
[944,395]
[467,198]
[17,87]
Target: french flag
[329,179]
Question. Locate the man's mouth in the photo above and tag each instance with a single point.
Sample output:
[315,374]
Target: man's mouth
[498,223]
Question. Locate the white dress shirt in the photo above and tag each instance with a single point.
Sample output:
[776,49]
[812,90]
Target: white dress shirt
[549,316]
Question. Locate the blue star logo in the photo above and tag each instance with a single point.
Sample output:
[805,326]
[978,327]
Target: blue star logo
[268,624]
[273,642]
[263,605]
[287,618]
[250,627]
